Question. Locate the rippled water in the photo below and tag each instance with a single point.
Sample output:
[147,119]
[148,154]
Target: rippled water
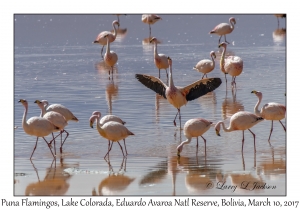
[57,61]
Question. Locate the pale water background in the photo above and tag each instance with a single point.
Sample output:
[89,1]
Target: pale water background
[55,60]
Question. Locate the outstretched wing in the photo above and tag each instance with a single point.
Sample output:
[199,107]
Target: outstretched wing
[200,88]
[153,83]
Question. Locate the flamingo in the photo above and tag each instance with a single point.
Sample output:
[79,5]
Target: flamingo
[110,118]
[232,65]
[270,111]
[224,28]
[111,36]
[179,96]
[68,115]
[110,57]
[205,66]
[37,126]
[112,131]
[55,118]
[194,128]
[280,16]
[150,20]
[241,120]
[160,60]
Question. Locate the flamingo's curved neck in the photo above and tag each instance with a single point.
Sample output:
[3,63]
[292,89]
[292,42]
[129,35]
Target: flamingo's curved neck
[24,122]
[107,45]
[43,109]
[219,124]
[171,83]
[115,30]
[155,49]
[187,141]
[99,128]
[256,110]
[213,60]
[232,25]
[222,60]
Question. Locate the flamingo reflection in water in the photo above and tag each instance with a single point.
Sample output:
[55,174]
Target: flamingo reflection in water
[178,96]
[54,183]
[230,106]
[116,183]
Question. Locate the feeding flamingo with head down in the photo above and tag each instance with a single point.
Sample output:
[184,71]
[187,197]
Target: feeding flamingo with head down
[232,65]
[194,128]
[160,60]
[111,36]
[224,28]
[112,131]
[150,20]
[270,111]
[179,96]
[241,120]
[37,126]
[205,66]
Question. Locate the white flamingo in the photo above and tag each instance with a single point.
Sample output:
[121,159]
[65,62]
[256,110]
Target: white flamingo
[224,28]
[110,57]
[205,66]
[150,20]
[64,111]
[110,118]
[37,126]
[55,118]
[232,65]
[111,36]
[194,128]
[112,131]
[241,120]
[160,60]
[270,111]
[179,96]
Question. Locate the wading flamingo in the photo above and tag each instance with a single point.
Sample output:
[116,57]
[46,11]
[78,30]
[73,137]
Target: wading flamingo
[55,118]
[241,120]
[112,131]
[224,28]
[64,111]
[178,96]
[232,65]
[37,126]
[111,36]
[110,57]
[270,111]
[205,66]
[160,60]
[110,118]
[150,20]
[194,128]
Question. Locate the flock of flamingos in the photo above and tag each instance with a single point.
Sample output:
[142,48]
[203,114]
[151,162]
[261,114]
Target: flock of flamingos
[54,118]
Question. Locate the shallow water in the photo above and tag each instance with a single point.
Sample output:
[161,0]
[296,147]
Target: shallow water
[56,60]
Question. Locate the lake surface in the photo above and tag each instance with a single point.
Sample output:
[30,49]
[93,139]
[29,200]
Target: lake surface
[55,60]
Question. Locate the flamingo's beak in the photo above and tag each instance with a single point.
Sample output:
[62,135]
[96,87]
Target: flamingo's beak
[218,133]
